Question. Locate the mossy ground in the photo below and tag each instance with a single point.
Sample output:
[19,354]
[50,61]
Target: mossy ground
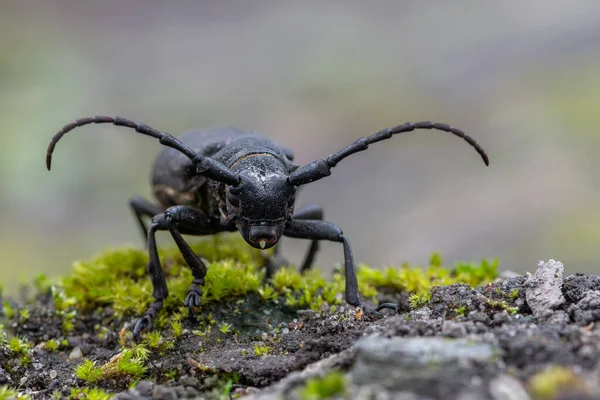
[72,338]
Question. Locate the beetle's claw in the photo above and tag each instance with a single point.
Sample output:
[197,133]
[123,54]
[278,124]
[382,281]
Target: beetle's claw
[145,323]
[375,314]
[193,298]
[390,306]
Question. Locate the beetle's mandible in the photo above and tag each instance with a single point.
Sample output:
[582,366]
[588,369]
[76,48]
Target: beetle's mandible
[226,179]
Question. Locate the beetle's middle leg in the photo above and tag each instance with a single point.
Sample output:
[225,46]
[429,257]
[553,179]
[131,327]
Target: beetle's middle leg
[310,211]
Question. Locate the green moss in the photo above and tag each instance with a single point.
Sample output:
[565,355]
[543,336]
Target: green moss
[502,305]
[6,393]
[330,385]
[419,280]
[89,394]
[3,337]
[52,345]
[118,278]
[225,328]
[261,351]
[461,311]
[88,371]
[417,300]
[553,381]
[18,346]
[8,310]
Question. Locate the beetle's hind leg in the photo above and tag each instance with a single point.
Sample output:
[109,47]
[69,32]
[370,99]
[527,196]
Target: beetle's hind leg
[144,208]
[159,284]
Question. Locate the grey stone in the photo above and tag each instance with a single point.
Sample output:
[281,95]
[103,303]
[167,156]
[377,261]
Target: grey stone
[144,388]
[5,377]
[591,300]
[544,288]
[422,365]
[75,354]
[506,387]
[164,393]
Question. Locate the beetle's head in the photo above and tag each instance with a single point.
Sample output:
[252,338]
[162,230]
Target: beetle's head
[263,201]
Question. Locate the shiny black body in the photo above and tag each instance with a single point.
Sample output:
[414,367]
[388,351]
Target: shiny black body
[226,179]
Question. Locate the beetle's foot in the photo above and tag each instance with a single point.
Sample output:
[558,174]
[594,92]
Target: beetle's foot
[146,323]
[193,296]
[376,314]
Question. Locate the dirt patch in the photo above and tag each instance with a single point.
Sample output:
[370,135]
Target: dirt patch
[490,343]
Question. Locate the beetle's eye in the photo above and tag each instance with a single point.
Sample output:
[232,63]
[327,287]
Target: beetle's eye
[233,200]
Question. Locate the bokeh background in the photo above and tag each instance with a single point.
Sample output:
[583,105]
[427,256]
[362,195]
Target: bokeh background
[523,78]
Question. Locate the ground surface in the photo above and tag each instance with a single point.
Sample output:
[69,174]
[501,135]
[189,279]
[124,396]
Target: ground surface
[515,338]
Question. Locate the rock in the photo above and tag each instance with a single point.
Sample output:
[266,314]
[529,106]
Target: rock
[429,366]
[53,374]
[506,387]
[587,310]
[577,286]
[164,393]
[144,388]
[544,288]
[590,301]
[4,377]
[75,354]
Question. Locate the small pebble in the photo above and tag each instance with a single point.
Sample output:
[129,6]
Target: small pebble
[53,374]
[75,354]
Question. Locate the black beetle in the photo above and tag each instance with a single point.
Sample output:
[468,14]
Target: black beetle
[225,179]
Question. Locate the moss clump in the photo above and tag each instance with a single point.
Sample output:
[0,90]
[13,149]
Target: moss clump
[6,393]
[118,278]
[553,381]
[128,365]
[332,384]
[419,280]
[262,351]
[89,394]
[88,371]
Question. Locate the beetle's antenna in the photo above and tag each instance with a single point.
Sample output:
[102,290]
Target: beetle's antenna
[321,168]
[204,165]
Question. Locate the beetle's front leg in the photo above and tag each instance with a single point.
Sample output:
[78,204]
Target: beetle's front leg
[192,221]
[196,221]
[321,230]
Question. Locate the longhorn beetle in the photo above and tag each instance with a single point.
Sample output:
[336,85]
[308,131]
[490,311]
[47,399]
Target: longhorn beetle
[226,179]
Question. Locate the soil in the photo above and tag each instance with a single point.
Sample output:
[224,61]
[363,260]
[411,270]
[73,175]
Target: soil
[466,343]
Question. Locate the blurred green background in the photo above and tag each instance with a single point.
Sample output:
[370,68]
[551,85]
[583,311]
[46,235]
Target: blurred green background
[522,78]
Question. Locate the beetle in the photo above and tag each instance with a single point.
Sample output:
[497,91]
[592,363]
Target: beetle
[226,179]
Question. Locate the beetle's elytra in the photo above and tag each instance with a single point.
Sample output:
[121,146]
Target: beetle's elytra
[226,179]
